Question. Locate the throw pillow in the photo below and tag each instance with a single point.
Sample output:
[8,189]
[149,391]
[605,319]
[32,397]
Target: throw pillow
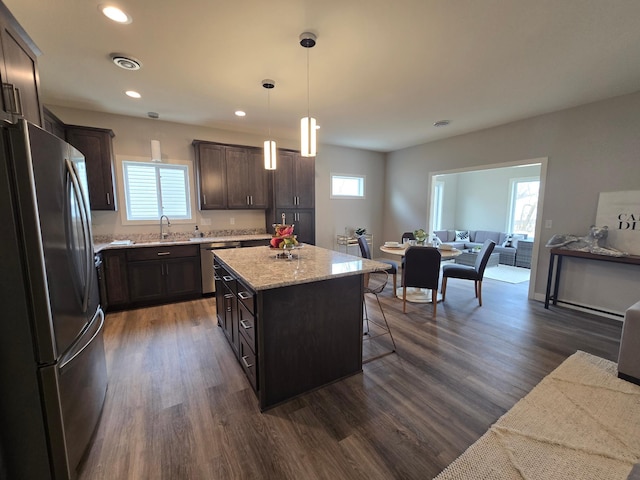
[462,235]
[507,241]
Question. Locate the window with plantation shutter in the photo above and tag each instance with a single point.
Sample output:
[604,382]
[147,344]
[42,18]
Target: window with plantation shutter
[152,190]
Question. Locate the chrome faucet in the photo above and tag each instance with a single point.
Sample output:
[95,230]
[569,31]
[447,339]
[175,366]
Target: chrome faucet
[163,234]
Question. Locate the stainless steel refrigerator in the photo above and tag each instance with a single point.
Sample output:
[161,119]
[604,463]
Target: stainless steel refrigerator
[53,376]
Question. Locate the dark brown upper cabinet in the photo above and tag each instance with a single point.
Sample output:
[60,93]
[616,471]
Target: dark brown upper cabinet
[97,147]
[246,178]
[211,175]
[294,180]
[20,96]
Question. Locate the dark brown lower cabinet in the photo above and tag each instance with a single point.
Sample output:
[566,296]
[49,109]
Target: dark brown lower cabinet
[115,278]
[164,273]
[151,275]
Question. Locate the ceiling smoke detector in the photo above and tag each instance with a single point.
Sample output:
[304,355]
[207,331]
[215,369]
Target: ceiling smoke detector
[123,61]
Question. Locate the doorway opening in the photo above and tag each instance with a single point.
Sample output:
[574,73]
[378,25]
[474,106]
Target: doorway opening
[505,197]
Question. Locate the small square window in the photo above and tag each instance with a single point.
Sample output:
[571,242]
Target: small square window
[347,186]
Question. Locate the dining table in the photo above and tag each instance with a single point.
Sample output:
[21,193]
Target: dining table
[418,295]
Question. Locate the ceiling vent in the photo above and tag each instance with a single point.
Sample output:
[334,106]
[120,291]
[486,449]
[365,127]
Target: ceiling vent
[123,61]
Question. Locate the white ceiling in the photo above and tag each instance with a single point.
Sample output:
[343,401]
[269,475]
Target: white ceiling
[382,72]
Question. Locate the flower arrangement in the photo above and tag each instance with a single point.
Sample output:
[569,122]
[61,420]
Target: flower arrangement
[420,235]
[283,237]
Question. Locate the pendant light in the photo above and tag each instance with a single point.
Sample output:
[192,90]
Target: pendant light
[269,145]
[308,123]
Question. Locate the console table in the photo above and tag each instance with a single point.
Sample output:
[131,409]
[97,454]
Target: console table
[555,266]
[352,241]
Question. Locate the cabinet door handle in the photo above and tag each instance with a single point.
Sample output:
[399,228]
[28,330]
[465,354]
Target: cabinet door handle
[246,364]
[108,199]
[204,199]
[216,266]
[244,295]
[216,278]
[227,278]
[228,295]
[162,254]
[245,325]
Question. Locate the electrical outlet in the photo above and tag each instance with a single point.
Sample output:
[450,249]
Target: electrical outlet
[206,221]
[547,223]
[232,221]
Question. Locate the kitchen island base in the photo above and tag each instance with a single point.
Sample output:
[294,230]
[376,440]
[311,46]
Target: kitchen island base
[309,335]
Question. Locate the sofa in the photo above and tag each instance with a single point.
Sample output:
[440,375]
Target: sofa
[506,244]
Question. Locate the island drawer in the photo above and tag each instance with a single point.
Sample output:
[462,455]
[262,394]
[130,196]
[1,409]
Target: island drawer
[248,362]
[160,253]
[228,278]
[247,325]
[246,296]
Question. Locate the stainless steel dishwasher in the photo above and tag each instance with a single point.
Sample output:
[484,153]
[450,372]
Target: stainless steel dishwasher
[206,260]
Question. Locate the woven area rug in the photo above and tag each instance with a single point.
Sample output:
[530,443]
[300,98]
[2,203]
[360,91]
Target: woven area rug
[507,273]
[579,422]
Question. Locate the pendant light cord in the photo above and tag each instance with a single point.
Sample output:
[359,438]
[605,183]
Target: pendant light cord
[269,112]
[308,89]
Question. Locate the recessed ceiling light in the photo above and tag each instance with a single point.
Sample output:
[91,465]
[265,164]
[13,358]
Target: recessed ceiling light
[115,14]
[442,123]
[240,113]
[133,94]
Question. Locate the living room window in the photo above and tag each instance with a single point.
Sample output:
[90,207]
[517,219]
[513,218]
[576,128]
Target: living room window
[347,186]
[152,190]
[524,205]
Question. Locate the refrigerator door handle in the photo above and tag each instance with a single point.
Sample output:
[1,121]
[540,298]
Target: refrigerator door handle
[74,351]
[89,263]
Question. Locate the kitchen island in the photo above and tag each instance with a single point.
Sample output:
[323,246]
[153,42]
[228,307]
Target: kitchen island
[295,325]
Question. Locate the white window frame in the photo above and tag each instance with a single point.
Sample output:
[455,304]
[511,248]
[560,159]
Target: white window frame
[437,202]
[120,181]
[361,178]
[512,200]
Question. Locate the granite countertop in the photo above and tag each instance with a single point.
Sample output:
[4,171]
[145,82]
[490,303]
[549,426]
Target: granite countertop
[261,270]
[145,242]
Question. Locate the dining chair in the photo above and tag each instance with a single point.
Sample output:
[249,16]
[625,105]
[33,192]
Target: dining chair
[409,236]
[365,251]
[421,270]
[465,272]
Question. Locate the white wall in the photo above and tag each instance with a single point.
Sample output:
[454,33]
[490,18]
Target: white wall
[133,136]
[591,148]
[334,215]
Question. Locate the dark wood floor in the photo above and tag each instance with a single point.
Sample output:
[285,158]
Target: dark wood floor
[179,407]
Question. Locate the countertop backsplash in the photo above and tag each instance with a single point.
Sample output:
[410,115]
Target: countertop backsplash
[176,236]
